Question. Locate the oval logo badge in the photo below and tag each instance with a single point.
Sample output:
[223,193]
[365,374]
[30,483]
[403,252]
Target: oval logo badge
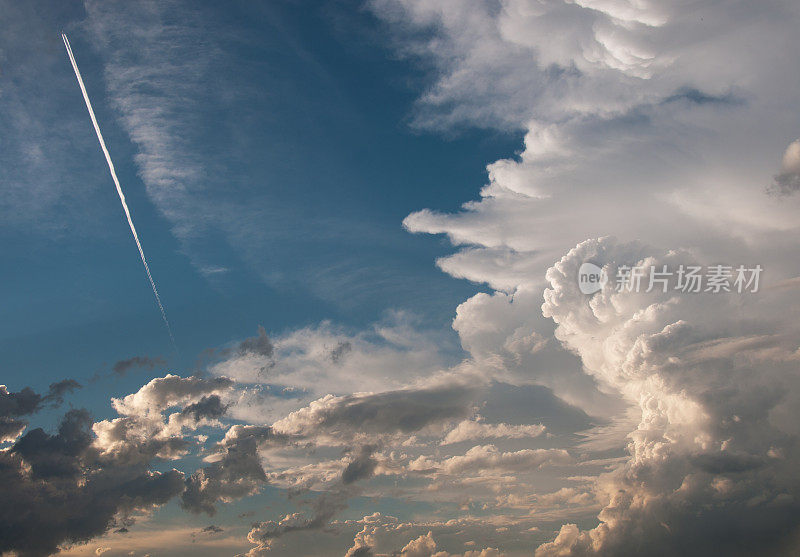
[591,278]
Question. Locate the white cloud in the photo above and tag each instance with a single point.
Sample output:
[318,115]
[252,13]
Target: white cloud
[653,123]
[674,355]
[171,390]
[425,546]
[488,459]
[339,419]
[607,152]
[470,430]
[328,359]
[788,181]
[650,121]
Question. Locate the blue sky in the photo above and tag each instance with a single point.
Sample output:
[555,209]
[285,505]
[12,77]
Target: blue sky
[366,221]
[317,145]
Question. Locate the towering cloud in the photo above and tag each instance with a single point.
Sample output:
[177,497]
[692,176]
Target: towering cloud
[617,422]
[710,453]
[652,123]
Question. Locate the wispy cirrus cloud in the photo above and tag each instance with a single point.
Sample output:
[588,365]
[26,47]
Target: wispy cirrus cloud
[47,166]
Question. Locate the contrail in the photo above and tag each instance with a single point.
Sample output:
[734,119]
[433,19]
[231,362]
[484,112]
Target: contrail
[116,183]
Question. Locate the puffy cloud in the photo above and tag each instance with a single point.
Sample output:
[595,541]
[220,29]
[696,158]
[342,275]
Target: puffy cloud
[425,546]
[56,392]
[324,508]
[363,543]
[564,544]
[10,429]
[505,65]
[565,496]
[27,401]
[71,491]
[628,131]
[658,178]
[489,460]
[142,420]
[339,421]
[470,430]
[788,181]
[208,407]
[14,405]
[708,401]
[637,124]
[146,431]
[326,359]
[154,424]
[633,128]
[391,412]
[237,471]
[211,529]
[164,392]
[361,466]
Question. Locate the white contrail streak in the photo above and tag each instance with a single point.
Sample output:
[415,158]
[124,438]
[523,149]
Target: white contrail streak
[116,183]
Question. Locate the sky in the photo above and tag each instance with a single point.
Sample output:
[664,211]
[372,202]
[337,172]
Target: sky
[371,225]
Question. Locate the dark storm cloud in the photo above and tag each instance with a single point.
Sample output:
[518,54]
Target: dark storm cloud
[361,467]
[137,362]
[14,405]
[340,351]
[259,344]
[91,477]
[532,404]
[27,401]
[11,428]
[786,183]
[362,551]
[238,473]
[57,390]
[208,531]
[21,403]
[324,507]
[724,463]
[59,490]
[210,407]
[696,96]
